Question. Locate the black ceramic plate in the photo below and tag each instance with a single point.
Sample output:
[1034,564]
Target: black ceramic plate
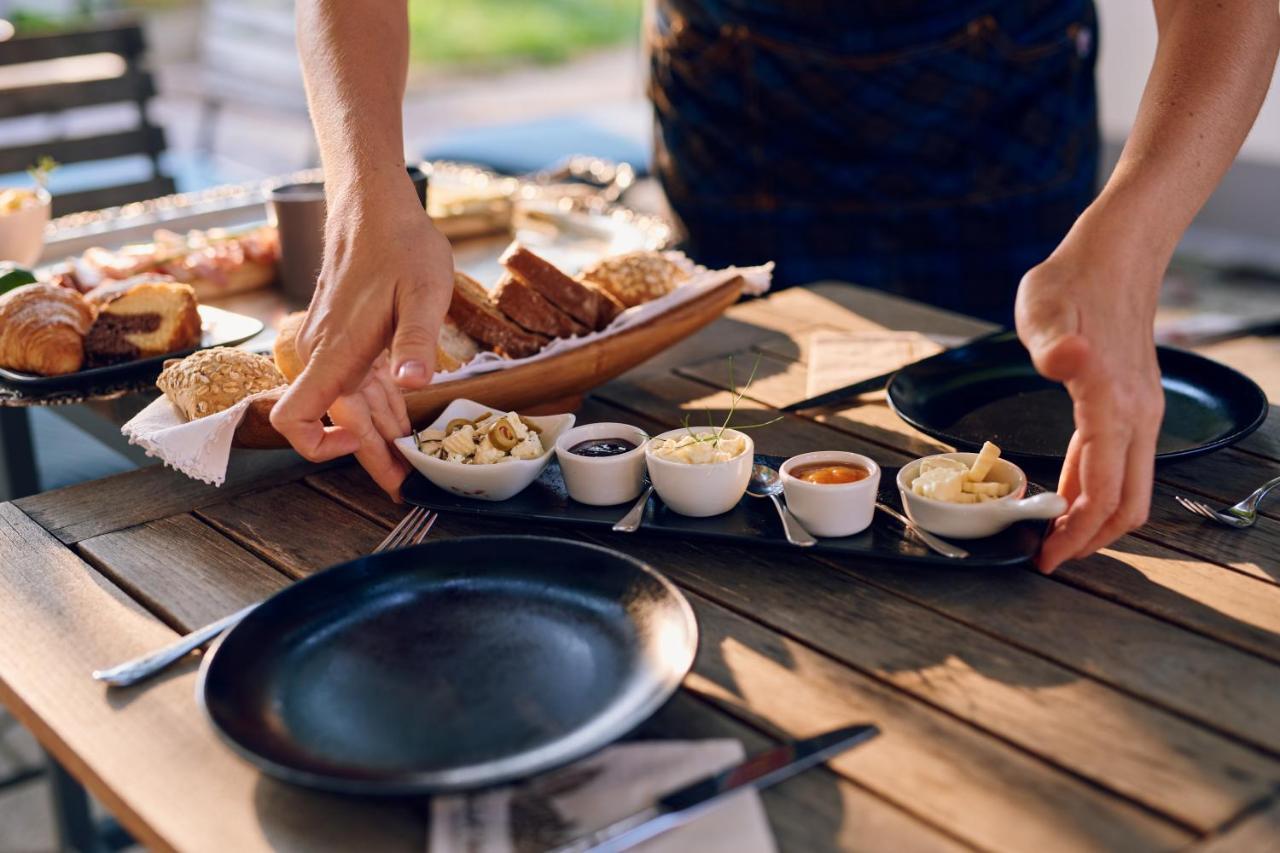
[447,666]
[219,328]
[989,391]
[752,522]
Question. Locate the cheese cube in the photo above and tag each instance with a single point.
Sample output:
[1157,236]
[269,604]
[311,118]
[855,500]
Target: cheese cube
[982,465]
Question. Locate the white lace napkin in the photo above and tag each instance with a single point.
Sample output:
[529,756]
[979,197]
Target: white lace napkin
[202,448]
[558,807]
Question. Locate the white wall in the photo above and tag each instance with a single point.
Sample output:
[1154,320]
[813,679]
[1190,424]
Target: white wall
[1128,39]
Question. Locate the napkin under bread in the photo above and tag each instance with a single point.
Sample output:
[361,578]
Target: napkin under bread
[201,449]
[558,807]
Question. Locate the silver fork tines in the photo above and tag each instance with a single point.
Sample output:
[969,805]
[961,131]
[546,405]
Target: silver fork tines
[1241,515]
[411,530]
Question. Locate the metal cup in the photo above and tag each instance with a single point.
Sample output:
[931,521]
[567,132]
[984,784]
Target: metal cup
[298,212]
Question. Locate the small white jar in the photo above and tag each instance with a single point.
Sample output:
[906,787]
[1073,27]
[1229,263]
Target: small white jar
[602,480]
[700,490]
[836,509]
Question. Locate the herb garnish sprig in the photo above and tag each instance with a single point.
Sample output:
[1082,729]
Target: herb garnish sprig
[738,393]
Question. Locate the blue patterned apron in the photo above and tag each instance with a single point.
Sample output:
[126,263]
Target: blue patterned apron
[933,148]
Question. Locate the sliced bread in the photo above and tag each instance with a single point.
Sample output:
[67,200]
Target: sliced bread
[474,313]
[454,348]
[589,305]
[528,309]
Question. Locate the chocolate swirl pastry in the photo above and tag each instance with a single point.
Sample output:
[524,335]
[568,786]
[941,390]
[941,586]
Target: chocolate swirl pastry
[141,317]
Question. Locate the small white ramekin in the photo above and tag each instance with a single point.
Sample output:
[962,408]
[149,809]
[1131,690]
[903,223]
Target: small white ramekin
[700,490]
[602,480]
[22,231]
[836,509]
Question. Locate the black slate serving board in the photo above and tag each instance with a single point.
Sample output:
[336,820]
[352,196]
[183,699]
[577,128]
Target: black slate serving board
[753,522]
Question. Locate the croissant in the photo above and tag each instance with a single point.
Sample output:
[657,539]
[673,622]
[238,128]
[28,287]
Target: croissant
[42,329]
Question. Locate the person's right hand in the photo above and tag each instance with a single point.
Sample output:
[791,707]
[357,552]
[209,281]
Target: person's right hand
[386,283]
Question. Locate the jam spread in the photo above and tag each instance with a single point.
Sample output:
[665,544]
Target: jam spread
[602,447]
[827,474]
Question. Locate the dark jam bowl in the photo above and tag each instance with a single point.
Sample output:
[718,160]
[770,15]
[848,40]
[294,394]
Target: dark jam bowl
[602,479]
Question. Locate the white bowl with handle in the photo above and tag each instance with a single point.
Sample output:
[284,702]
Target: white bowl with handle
[975,521]
[495,482]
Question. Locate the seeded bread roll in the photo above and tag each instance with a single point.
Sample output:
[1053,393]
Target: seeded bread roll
[636,277]
[213,380]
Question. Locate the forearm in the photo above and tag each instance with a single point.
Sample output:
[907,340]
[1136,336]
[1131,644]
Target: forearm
[1211,72]
[354,61]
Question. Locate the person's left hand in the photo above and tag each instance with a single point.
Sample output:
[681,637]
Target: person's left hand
[1086,314]
[376,415]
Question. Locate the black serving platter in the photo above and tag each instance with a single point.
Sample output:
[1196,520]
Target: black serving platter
[989,391]
[448,666]
[218,328]
[753,522]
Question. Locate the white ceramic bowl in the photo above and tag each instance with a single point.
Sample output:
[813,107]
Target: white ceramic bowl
[700,490]
[495,482]
[602,480]
[22,231]
[974,521]
[839,509]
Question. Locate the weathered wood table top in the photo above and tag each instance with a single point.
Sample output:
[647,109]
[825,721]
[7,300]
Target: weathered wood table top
[1129,702]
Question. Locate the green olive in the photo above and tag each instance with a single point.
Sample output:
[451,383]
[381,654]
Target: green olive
[456,424]
[502,436]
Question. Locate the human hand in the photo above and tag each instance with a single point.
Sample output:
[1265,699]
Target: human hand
[1086,314]
[376,415]
[386,283]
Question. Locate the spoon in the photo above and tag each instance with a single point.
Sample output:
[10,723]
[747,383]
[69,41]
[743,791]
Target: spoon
[765,483]
[630,522]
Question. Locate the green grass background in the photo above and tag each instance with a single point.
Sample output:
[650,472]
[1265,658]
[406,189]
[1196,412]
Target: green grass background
[499,31]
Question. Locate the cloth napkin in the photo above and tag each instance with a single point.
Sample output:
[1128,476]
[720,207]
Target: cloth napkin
[558,807]
[201,449]
[837,359]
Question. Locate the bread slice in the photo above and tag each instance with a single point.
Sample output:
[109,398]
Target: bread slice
[476,315]
[587,304]
[454,348]
[528,309]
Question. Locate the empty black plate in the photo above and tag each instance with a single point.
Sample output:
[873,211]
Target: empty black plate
[989,391]
[452,665]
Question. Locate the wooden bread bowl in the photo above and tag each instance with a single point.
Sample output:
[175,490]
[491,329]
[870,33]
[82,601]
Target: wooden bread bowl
[562,378]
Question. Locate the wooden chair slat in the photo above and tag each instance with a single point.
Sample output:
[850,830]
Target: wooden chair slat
[147,139]
[126,40]
[133,85]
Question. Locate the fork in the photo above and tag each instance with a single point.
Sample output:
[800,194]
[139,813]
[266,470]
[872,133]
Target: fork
[1240,516]
[411,530]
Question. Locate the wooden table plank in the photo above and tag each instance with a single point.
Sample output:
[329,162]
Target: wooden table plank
[1256,832]
[101,506]
[1166,763]
[819,811]
[146,753]
[1106,816]
[182,570]
[1238,704]
[294,528]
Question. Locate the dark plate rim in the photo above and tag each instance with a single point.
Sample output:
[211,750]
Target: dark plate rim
[1236,435]
[489,773]
[96,375]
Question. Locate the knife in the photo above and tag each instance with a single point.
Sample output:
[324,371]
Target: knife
[684,804]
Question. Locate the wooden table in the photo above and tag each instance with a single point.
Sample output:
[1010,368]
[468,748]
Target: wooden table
[1129,702]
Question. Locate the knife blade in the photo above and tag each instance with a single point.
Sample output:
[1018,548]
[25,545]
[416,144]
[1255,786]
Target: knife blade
[684,804]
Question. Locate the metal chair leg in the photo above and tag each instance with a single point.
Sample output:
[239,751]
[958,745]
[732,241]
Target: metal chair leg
[18,474]
[77,832]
